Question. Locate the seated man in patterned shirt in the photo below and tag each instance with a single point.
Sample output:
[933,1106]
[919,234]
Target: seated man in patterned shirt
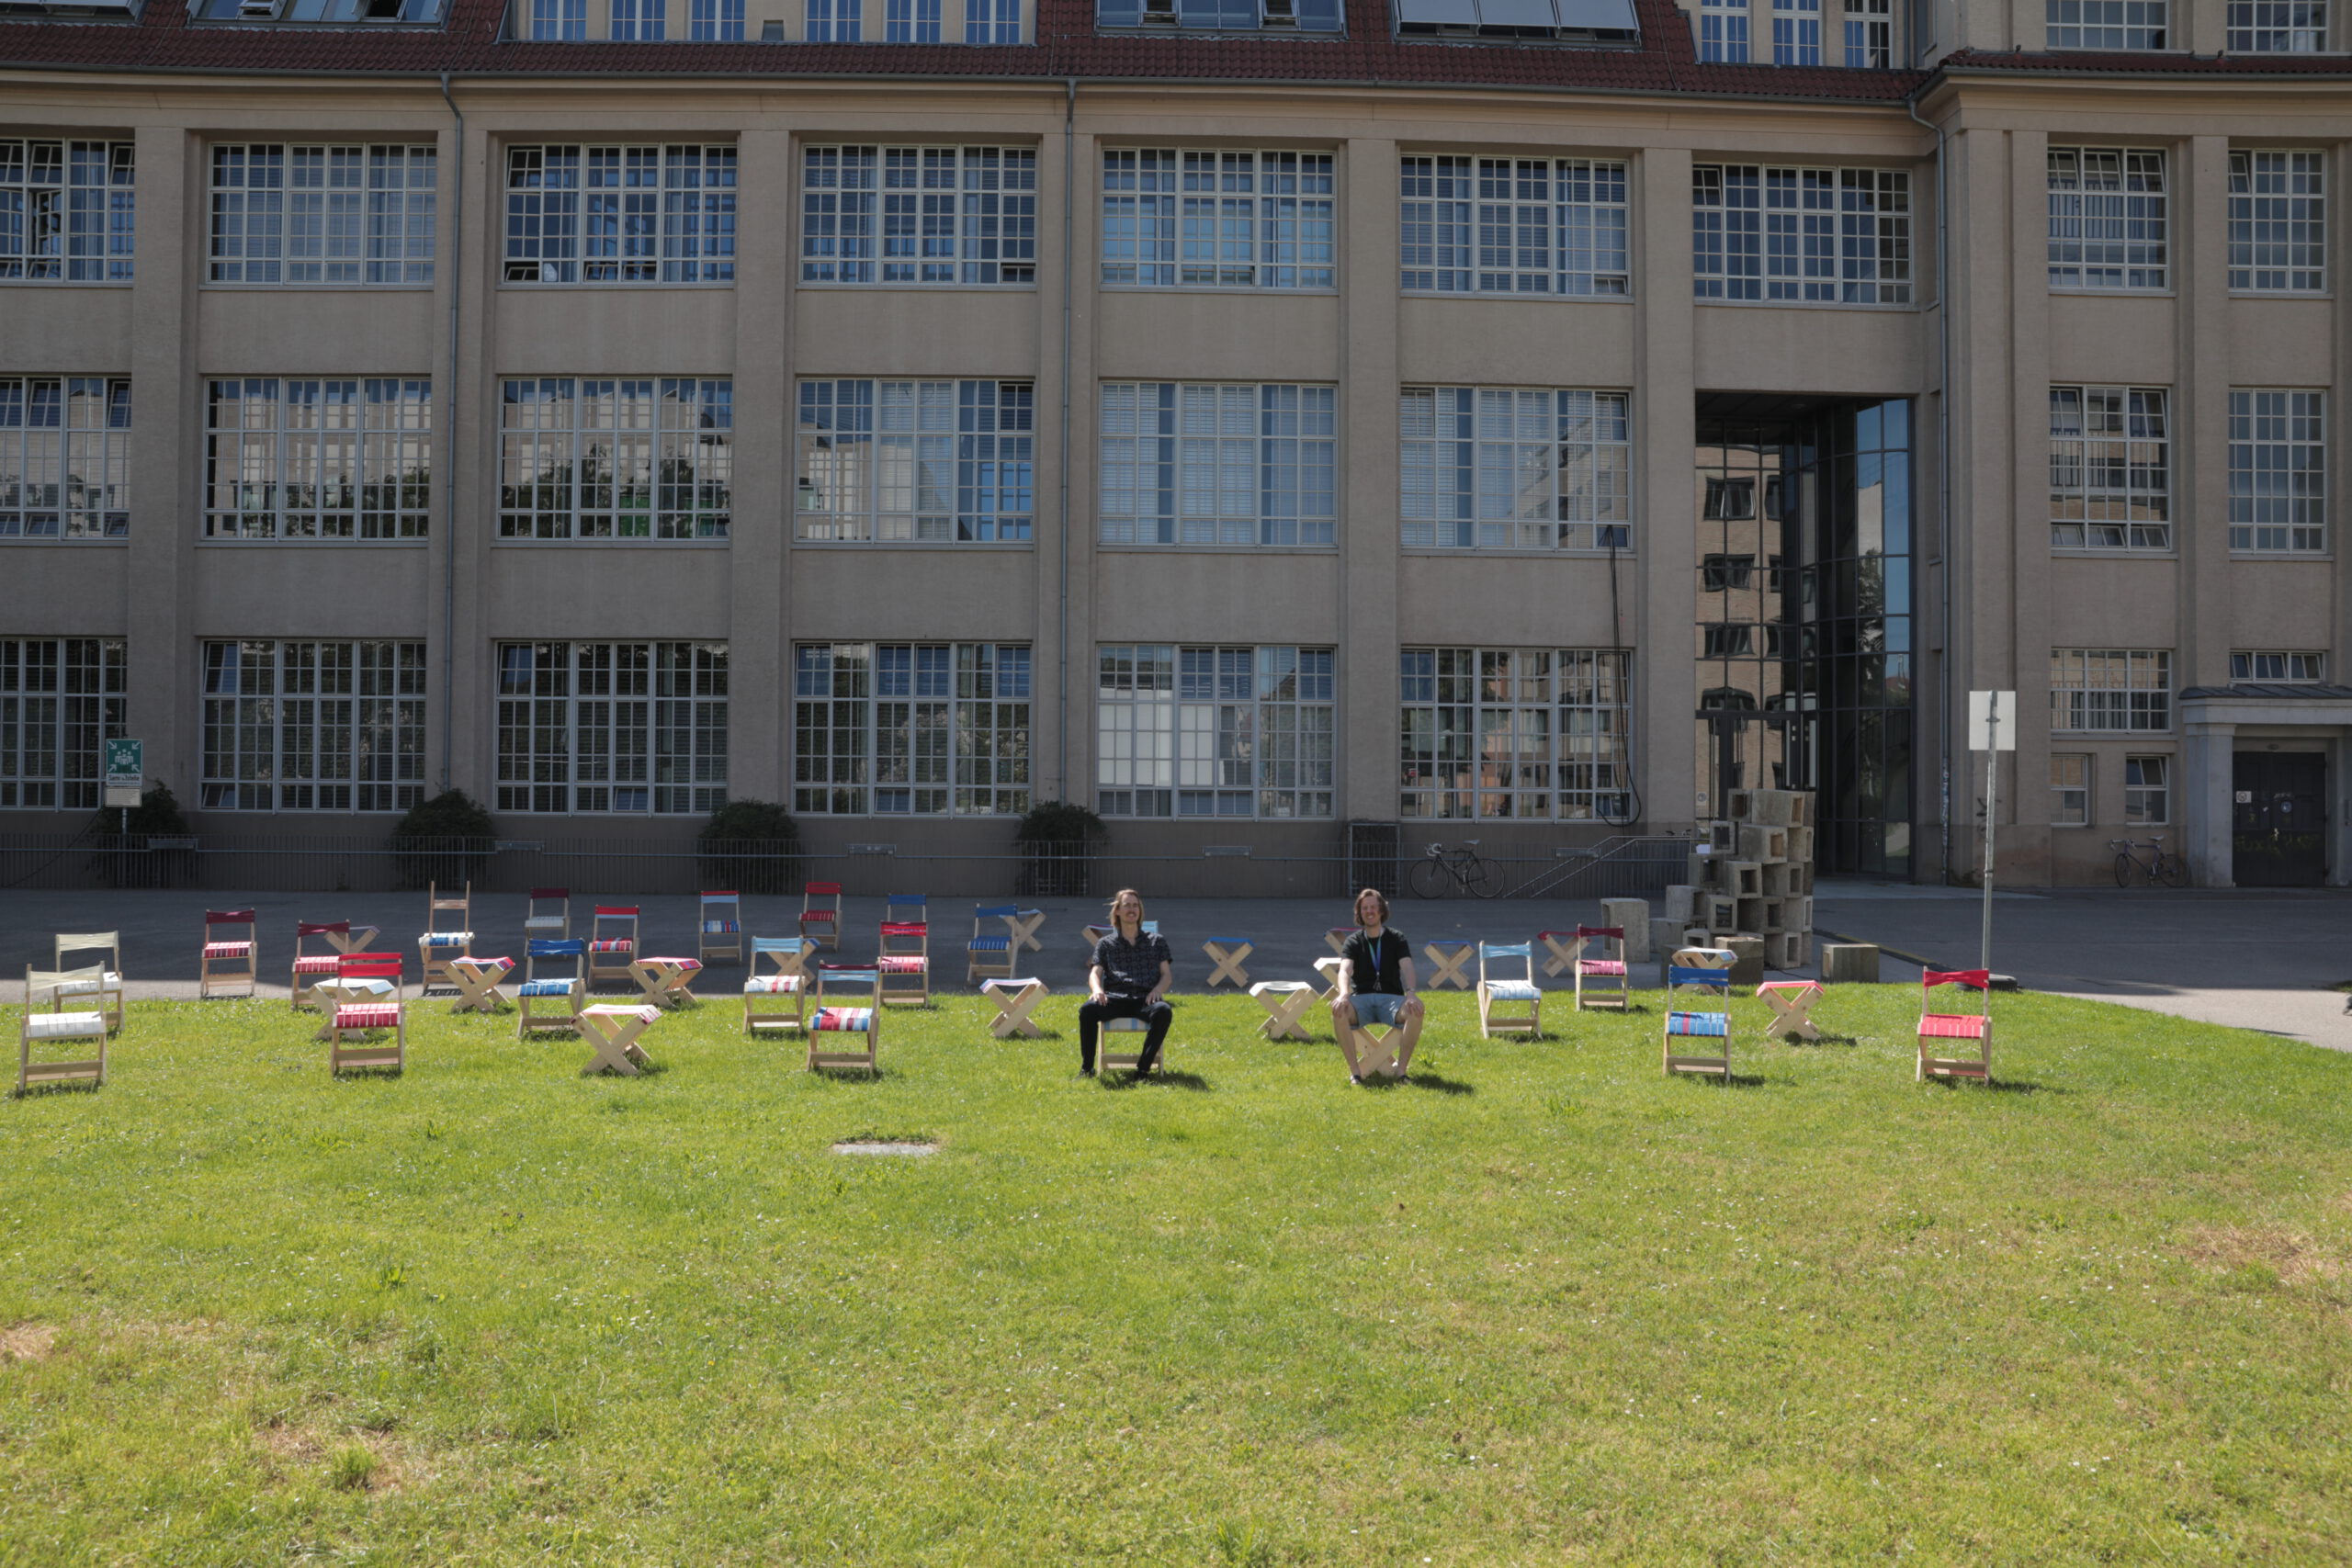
[1131,974]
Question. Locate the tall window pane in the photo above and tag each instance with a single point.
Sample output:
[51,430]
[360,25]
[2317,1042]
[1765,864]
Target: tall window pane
[1214,219]
[2111,688]
[2278,470]
[2107,218]
[647,214]
[322,214]
[2110,469]
[916,461]
[307,726]
[65,211]
[1514,226]
[919,215]
[2106,24]
[1496,468]
[60,699]
[2276,27]
[1214,731]
[64,456]
[1837,236]
[2278,221]
[1194,463]
[912,728]
[1536,734]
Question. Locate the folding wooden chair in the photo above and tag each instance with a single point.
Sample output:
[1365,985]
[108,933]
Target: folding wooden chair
[349,1016]
[989,956]
[1705,972]
[309,968]
[722,926]
[905,961]
[548,925]
[839,1019]
[1605,975]
[46,1026]
[108,987]
[1522,1008]
[228,962]
[610,956]
[1977,1026]
[444,941]
[907,909]
[558,996]
[778,999]
[1113,1061]
[820,905]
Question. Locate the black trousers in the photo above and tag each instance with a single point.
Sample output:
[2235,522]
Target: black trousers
[1156,1016]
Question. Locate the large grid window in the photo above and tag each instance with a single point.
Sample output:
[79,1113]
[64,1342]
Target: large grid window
[612,727]
[901,728]
[912,215]
[1514,226]
[643,457]
[991,21]
[64,456]
[2107,218]
[559,22]
[1869,34]
[715,21]
[620,214]
[1187,463]
[911,21]
[916,461]
[2070,789]
[1839,236]
[313,725]
[59,699]
[2110,469]
[333,215]
[2111,688]
[2278,470]
[1723,30]
[1796,32]
[333,459]
[1501,732]
[65,211]
[1185,731]
[2279,665]
[1209,220]
[639,21]
[2147,794]
[2106,24]
[2278,221]
[1496,468]
[2276,27]
[833,21]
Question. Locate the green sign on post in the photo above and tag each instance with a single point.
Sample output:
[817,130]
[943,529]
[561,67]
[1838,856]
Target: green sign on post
[126,772]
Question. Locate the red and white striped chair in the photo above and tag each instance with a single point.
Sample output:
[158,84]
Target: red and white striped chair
[837,1020]
[1960,1026]
[609,955]
[821,906]
[230,961]
[905,963]
[1606,973]
[385,1008]
[778,999]
[309,968]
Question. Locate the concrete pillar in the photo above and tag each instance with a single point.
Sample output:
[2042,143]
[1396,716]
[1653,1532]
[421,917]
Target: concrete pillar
[2207,799]
[461,664]
[1666,542]
[759,665]
[167,435]
[1370,535]
[2201,420]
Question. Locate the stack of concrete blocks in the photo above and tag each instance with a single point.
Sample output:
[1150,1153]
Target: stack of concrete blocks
[1754,884]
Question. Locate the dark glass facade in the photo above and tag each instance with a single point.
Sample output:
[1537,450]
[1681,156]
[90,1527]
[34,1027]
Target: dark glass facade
[1803,621]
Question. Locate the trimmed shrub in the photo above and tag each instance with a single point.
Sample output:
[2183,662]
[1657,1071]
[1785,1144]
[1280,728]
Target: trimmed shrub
[751,846]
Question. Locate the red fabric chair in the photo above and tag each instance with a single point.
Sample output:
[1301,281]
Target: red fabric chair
[1956,1026]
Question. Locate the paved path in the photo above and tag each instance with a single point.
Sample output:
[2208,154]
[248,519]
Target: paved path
[2256,959]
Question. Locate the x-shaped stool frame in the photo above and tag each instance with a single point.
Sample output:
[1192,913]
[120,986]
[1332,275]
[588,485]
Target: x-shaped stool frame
[477,980]
[612,1028]
[1450,961]
[1376,1053]
[1329,970]
[1227,952]
[355,940]
[667,981]
[1564,954]
[1791,1002]
[1285,1002]
[1022,928]
[1015,1000]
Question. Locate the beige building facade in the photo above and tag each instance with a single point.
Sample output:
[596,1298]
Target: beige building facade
[1242,457]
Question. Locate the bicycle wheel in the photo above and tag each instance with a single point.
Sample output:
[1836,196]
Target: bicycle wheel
[1482,876]
[2173,873]
[1429,877]
[2123,868]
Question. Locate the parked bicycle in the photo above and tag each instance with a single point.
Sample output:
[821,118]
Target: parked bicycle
[1460,867]
[2161,866]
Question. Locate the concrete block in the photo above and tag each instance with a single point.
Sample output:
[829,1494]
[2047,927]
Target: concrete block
[1665,935]
[1770,807]
[1681,902]
[1743,879]
[1850,964]
[1781,950]
[1776,880]
[1775,916]
[1801,844]
[1739,805]
[1632,916]
[1761,843]
[1723,912]
[1751,916]
[1723,837]
[1796,914]
[1692,936]
[1799,949]
[1801,809]
[1748,968]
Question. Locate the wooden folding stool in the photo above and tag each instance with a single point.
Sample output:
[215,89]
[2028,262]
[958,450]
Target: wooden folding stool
[1227,953]
[478,980]
[612,1028]
[666,981]
[1449,963]
[1791,1003]
[1016,999]
[1285,1002]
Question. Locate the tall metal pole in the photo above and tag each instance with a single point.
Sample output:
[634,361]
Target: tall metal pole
[1992,782]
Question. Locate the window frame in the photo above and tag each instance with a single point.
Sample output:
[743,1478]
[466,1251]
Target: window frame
[266,731]
[2147,789]
[1802,237]
[1592,736]
[393,225]
[543,510]
[1200,745]
[989,213]
[2316,673]
[2252,210]
[87,700]
[2141,206]
[2243,30]
[986,495]
[2122,27]
[1149,233]
[1607,522]
[83,232]
[2300,464]
[867,731]
[1177,458]
[1796,32]
[281,444]
[681,236]
[2143,707]
[543,734]
[2079,495]
[1453,220]
[2073,794]
[108,522]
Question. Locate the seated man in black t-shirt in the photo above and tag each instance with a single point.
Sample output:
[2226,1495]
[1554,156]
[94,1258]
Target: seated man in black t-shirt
[1376,986]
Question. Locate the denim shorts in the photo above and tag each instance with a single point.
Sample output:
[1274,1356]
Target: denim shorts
[1375,1007]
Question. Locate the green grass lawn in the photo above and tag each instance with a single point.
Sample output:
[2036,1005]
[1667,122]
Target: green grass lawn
[1542,1306]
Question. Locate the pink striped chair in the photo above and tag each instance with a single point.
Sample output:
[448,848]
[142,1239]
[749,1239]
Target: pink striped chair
[833,1019]
[609,955]
[229,961]
[386,1010]
[905,963]
[1606,973]
[309,968]
[821,906]
[1960,1026]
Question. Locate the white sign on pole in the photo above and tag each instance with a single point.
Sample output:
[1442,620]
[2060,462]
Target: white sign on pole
[1992,721]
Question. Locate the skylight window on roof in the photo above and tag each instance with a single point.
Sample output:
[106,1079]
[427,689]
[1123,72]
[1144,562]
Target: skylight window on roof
[1589,22]
[1221,16]
[73,10]
[324,13]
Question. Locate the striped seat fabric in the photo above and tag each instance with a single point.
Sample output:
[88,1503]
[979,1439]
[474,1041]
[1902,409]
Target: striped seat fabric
[906,964]
[686,963]
[107,981]
[550,988]
[318,963]
[1512,990]
[617,944]
[1952,1026]
[64,1025]
[368,1015]
[989,944]
[1601,965]
[501,964]
[1712,1025]
[445,939]
[227,949]
[623,1009]
[846,1021]
[771,986]
[720,928]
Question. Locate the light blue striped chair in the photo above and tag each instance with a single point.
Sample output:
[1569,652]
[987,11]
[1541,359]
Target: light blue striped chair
[558,996]
[1513,1006]
[989,957]
[777,999]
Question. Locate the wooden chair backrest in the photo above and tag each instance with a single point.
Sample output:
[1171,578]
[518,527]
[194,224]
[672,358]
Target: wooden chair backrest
[433,903]
[229,917]
[904,938]
[830,892]
[571,947]
[40,980]
[1977,980]
[616,913]
[91,941]
[1523,952]
[908,908]
[778,948]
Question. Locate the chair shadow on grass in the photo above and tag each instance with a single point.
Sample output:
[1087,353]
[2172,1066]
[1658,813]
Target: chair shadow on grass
[1435,1083]
[1120,1083]
[644,1070]
[1733,1080]
[1998,1085]
[44,1090]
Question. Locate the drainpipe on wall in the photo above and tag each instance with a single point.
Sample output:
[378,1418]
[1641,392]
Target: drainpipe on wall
[1061,637]
[1943,471]
[448,414]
